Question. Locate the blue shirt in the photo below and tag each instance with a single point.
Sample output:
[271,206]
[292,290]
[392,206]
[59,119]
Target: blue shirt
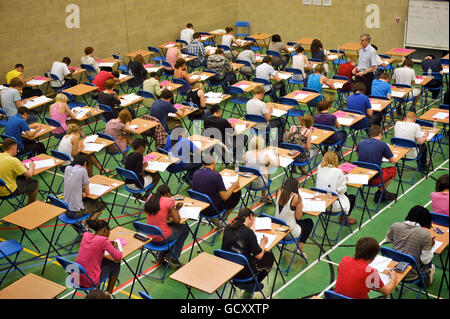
[381,88]
[372,150]
[161,109]
[314,83]
[359,102]
[367,58]
[15,126]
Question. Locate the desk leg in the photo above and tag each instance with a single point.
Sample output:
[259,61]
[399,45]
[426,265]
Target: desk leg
[444,268]
[24,234]
[189,288]
[430,157]
[278,270]
[400,173]
[365,204]
[50,245]
[194,236]
[135,276]
[110,211]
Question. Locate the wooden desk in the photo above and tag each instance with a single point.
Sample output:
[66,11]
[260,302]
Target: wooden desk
[431,130]
[399,152]
[200,76]
[338,84]
[362,171]
[423,80]
[281,152]
[443,238]
[206,142]
[142,126]
[37,78]
[400,52]
[319,196]
[32,103]
[92,112]
[400,91]
[107,60]
[42,157]
[188,57]
[243,181]
[167,45]
[348,115]
[214,101]
[81,90]
[161,158]
[124,78]
[170,86]
[281,107]
[259,57]
[144,53]
[206,273]
[247,86]
[239,122]
[302,96]
[127,103]
[383,104]
[189,202]
[429,115]
[319,136]
[45,129]
[33,216]
[32,286]
[99,140]
[350,47]
[262,37]
[106,181]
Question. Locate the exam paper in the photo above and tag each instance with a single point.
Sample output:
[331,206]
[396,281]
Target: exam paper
[380,263]
[440,115]
[398,94]
[263,223]
[270,238]
[90,139]
[376,106]
[344,121]
[229,180]
[106,64]
[305,195]
[190,212]
[300,96]
[119,246]
[92,147]
[314,205]
[358,179]
[436,246]
[285,161]
[35,82]
[240,127]
[98,189]
[278,112]
[44,163]
[158,166]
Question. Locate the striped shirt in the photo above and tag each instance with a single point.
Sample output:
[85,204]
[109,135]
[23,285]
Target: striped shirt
[195,47]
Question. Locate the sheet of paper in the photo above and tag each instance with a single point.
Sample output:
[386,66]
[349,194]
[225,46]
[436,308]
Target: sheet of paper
[190,212]
[213,94]
[38,100]
[90,139]
[119,246]
[270,238]
[278,112]
[106,64]
[35,82]
[122,76]
[44,163]
[242,85]
[300,96]
[385,278]
[440,115]
[157,166]
[344,121]
[436,246]
[240,127]
[358,179]
[314,205]
[80,114]
[376,106]
[398,94]
[313,138]
[263,223]
[198,144]
[98,189]
[380,263]
[93,147]
[430,136]
[418,81]
[305,195]
[229,180]
[332,56]
[285,161]
[213,100]
[152,69]
[283,76]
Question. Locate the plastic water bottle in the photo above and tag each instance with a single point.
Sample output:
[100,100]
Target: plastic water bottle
[434,124]
[429,71]
[191,105]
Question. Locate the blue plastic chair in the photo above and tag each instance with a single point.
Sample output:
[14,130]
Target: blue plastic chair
[254,47]
[226,48]
[437,76]
[176,170]
[152,246]
[22,155]
[64,218]
[357,128]
[64,157]
[265,132]
[131,176]
[16,202]
[242,24]
[144,295]
[107,111]
[250,283]
[402,257]
[247,64]
[239,100]
[288,240]
[388,68]
[292,83]
[329,294]
[307,163]
[182,82]
[146,95]
[403,101]
[54,77]
[271,93]
[112,154]
[275,54]
[387,111]
[56,124]
[312,105]
[439,219]
[9,248]
[159,58]
[436,138]
[75,270]
[213,82]
[72,102]
[292,113]
[249,189]
[336,146]
[403,142]
[167,75]
[209,42]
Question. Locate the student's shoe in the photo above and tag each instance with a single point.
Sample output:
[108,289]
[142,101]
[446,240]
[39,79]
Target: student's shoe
[110,295]
[161,258]
[342,220]
[388,196]
[376,197]
[216,222]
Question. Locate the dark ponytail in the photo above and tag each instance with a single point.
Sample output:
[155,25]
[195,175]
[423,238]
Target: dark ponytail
[96,225]
[240,219]
[152,205]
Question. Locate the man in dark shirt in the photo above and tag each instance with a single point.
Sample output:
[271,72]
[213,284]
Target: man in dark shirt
[161,109]
[135,163]
[430,62]
[372,150]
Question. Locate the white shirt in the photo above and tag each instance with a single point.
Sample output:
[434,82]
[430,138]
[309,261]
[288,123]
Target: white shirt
[90,61]
[59,69]
[65,146]
[410,131]
[333,178]
[265,71]
[404,75]
[186,35]
[298,62]
[367,58]
[227,40]
[257,107]
[288,216]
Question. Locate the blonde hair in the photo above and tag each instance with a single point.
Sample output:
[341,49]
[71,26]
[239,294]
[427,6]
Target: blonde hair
[307,120]
[330,159]
[411,116]
[257,143]
[319,69]
[73,128]
[60,98]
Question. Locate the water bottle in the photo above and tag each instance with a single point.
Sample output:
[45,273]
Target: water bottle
[191,105]
[434,124]
[170,156]
[236,168]
[429,71]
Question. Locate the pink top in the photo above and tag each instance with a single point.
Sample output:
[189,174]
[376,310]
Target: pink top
[171,56]
[439,202]
[114,128]
[90,256]
[60,117]
[160,218]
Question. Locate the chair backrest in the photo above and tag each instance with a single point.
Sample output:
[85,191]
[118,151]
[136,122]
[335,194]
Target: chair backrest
[181,41]
[250,39]
[435,75]
[244,24]
[235,90]
[273,53]
[404,142]
[253,171]
[74,269]
[378,97]
[444,61]
[105,136]
[235,258]
[329,294]
[400,257]
[294,71]
[146,94]
[203,198]
[439,219]
[255,118]
[105,108]
[88,68]
[147,229]
[443,106]
[61,155]
[263,81]
[89,83]
[246,63]
[166,64]
[224,47]
[323,191]
[130,175]
[53,122]
[54,77]
[288,101]
[117,56]
[424,123]
[341,77]
[153,49]
[401,85]
[69,96]
[57,202]
[370,166]
[324,127]
[180,81]
[274,219]
[384,56]
[315,60]
[310,90]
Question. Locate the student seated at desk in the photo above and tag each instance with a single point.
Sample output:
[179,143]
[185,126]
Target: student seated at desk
[239,237]
[300,61]
[228,39]
[61,70]
[289,208]
[104,76]
[159,208]
[209,182]
[332,178]
[372,150]
[301,135]
[196,48]
[410,130]
[17,125]
[135,163]
[407,75]
[71,145]
[92,253]
[346,69]
[90,59]
[440,198]
[278,46]
[221,65]
[27,91]
[60,111]
[172,55]
[258,107]
[358,101]
[249,56]
[187,33]
[412,237]
[137,68]
[263,161]
[15,175]
[184,149]
[317,52]
[76,190]
[356,278]
[430,62]
[324,117]
[197,96]
[152,85]
[11,100]
[180,73]
[317,80]
[110,97]
[381,86]
[161,109]
[116,128]
[267,72]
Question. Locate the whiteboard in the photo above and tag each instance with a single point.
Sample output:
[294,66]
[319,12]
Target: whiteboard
[427,25]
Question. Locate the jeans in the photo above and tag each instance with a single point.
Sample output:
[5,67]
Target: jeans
[279,124]
[180,233]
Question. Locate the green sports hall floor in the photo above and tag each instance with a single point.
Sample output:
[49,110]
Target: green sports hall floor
[304,279]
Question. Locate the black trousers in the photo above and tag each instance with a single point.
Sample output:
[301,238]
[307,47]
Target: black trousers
[32,146]
[367,79]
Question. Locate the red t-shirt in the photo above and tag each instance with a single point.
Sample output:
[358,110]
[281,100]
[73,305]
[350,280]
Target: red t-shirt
[160,218]
[101,78]
[346,70]
[356,278]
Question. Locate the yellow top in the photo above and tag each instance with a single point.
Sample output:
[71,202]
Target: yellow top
[10,168]
[12,74]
